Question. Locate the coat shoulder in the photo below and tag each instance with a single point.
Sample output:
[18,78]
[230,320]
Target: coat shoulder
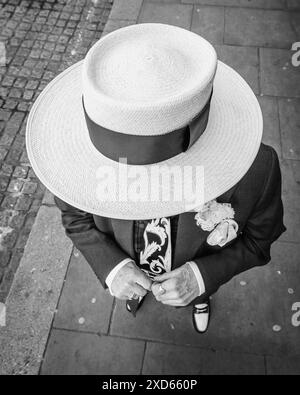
[264,163]
[265,167]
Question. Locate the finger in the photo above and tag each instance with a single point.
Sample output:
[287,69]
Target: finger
[176,294]
[167,285]
[170,295]
[174,303]
[136,289]
[124,293]
[155,288]
[167,276]
[142,279]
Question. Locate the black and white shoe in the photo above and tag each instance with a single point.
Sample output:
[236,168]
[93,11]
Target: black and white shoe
[132,305]
[201,313]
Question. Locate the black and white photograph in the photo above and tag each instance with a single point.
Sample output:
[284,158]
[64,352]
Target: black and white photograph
[149,190]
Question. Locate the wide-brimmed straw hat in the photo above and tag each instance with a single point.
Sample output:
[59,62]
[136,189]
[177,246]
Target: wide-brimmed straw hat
[149,124]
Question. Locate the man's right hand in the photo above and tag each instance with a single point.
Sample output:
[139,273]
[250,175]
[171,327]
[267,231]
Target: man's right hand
[130,280]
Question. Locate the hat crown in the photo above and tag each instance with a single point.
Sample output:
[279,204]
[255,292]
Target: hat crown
[145,72]
[148,78]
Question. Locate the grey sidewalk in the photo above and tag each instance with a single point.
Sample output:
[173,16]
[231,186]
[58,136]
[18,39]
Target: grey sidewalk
[255,328]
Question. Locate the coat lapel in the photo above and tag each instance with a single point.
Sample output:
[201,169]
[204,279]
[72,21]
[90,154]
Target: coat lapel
[190,237]
[123,231]
[187,234]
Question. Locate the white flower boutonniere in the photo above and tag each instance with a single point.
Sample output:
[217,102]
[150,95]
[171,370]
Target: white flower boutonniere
[217,217]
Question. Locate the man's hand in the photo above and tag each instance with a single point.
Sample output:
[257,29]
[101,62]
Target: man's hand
[177,287]
[130,280]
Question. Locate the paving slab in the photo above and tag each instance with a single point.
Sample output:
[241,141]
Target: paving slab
[291,202]
[244,319]
[84,304]
[258,28]
[208,22]
[296,170]
[165,359]
[128,9]
[293,4]
[271,132]
[283,366]
[244,60]
[115,24]
[76,353]
[290,127]
[34,295]
[278,77]
[285,257]
[295,20]
[267,4]
[169,13]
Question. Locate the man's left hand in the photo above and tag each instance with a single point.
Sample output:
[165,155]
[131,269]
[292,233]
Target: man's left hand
[178,287]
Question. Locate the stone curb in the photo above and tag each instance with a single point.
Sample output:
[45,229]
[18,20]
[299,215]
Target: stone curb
[123,13]
[31,303]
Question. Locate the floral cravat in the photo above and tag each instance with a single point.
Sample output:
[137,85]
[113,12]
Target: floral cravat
[156,256]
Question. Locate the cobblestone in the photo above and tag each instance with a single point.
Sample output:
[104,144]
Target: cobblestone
[15,186]
[29,187]
[4,259]
[41,38]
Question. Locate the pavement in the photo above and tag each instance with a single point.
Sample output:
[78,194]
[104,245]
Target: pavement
[60,321]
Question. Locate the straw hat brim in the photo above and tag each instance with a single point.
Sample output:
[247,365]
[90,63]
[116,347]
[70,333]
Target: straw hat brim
[65,160]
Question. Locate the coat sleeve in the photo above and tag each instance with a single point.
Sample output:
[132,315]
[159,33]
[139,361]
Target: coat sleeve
[98,248]
[252,248]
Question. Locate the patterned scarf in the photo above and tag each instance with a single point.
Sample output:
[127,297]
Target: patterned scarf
[155,257]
